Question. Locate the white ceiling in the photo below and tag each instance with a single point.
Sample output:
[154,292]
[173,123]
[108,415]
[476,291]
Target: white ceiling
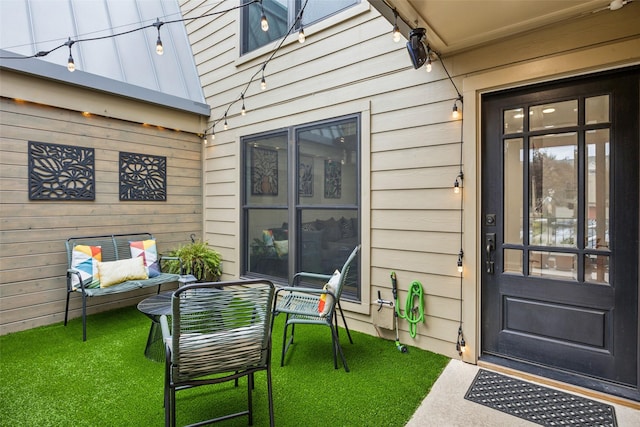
[455,25]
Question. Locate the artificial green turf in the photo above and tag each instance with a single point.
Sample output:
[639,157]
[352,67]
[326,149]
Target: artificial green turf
[49,377]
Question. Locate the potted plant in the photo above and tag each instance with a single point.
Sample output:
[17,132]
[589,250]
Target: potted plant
[198,259]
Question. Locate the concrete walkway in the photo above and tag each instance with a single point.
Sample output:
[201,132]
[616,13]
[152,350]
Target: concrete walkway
[445,405]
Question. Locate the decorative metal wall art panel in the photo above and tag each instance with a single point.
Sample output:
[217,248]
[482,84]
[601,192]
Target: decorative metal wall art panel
[332,179]
[143,177]
[61,172]
[264,172]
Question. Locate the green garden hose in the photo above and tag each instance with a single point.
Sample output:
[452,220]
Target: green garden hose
[413,314]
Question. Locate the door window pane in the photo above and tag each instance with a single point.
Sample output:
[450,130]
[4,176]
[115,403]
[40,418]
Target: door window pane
[513,261]
[513,120]
[596,269]
[597,189]
[553,265]
[553,115]
[553,178]
[597,109]
[513,188]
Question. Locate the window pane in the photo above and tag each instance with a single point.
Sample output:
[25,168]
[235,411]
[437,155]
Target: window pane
[513,197]
[597,191]
[553,177]
[268,242]
[513,261]
[266,171]
[317,10]
[253,36]
[328,167]
[327,237]
[597,109]
[554,115]
[513,120]
[596,269]
[553,265]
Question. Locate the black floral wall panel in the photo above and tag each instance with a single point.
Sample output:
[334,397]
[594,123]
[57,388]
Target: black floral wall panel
[61,172]
[143,177]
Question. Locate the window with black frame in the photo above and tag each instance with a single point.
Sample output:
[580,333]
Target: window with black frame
[280,16]
[302,215]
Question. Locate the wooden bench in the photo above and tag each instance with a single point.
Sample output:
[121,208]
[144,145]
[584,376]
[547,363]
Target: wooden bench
[115,247]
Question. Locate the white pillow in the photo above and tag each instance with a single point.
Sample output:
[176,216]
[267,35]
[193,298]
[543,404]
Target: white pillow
[114,272]
[331,286]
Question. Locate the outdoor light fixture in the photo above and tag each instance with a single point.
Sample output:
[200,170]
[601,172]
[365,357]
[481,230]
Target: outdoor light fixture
[455,113]
[301,36]
[159,48]
[458,182]
[415,46]
[71,66]
[226,125]
[396,29]
[460,256]
[244,110]
[264,24]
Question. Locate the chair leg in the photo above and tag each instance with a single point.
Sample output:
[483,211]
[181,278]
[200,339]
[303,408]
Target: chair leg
[338,348]
[345,323]
[285,344]
[270,395]
[250,398]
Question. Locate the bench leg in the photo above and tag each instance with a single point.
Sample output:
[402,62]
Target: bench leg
[84,317]
[66,309]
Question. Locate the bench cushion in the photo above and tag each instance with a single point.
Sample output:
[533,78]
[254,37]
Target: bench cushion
[146,249]
[114,272]
[132,285]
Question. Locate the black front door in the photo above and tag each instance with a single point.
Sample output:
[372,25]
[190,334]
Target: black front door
[560,172]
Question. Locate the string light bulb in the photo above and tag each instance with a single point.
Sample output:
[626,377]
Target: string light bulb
[263,83]
[226,125]
[204,138]
[460,256]
[301,36]
[458,183]
[396,29]
[243,111]
[264,24]
[455,113]
[159,48]
[428,66]
[71,66]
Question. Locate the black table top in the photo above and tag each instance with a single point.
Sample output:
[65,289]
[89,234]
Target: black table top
[156,305]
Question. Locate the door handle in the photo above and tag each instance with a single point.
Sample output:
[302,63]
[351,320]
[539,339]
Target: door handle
[490,239]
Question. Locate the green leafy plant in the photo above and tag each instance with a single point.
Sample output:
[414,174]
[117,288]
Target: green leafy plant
[198,259]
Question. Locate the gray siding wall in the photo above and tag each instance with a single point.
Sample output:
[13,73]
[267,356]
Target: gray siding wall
[32,234]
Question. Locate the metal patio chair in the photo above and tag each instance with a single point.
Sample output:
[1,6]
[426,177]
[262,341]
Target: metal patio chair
[220,331]
[312,306]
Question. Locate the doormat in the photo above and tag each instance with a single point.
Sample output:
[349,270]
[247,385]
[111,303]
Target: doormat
[540,405]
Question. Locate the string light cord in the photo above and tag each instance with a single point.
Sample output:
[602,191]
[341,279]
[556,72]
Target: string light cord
[122,33]
[261,70]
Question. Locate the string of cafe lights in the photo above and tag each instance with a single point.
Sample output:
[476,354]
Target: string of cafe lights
[423,55]
[264,25]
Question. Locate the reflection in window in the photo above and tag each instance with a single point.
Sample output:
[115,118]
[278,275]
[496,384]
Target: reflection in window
[597,189]
[553,177]
[317,229]
[553,115]
[281,15]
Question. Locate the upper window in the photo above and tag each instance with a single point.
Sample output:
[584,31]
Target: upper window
[301,200]
[280,15]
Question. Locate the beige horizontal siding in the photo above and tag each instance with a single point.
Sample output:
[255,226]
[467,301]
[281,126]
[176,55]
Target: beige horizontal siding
[411,150]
